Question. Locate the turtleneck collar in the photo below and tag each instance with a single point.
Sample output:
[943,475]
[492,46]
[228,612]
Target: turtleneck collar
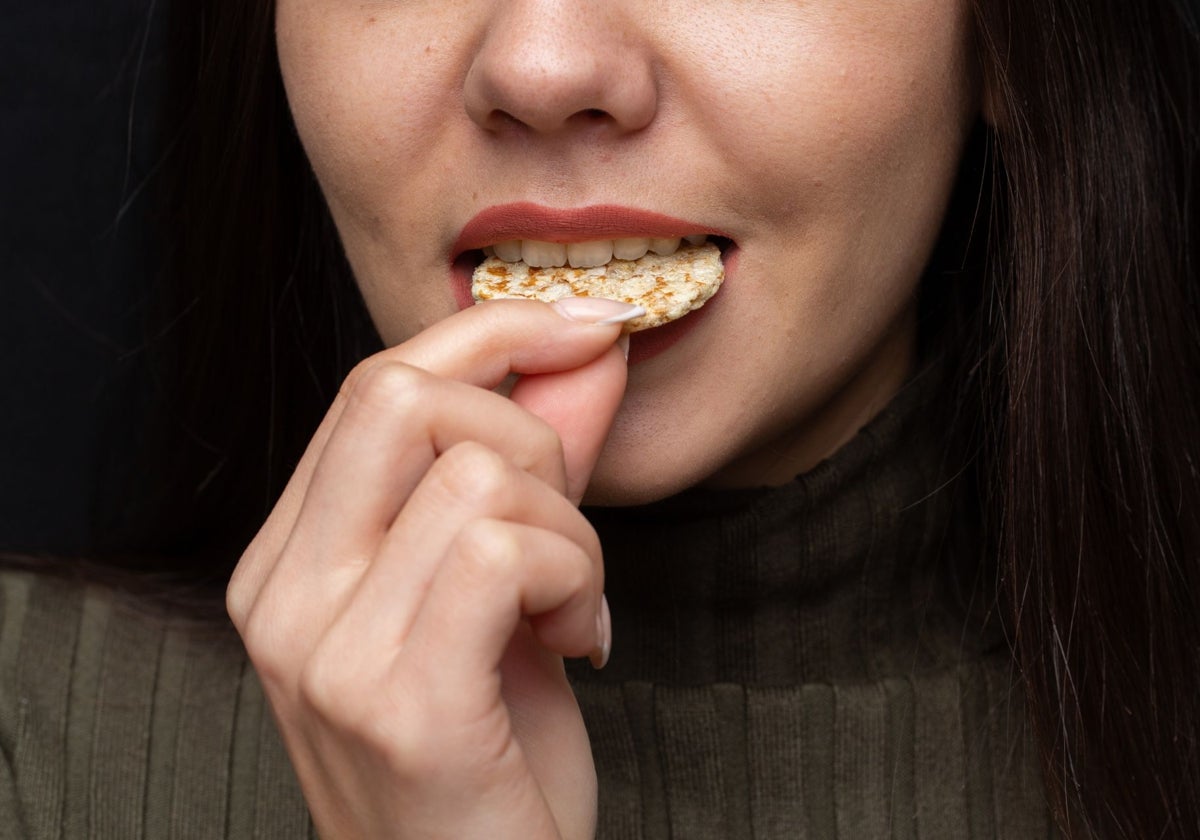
[834,576]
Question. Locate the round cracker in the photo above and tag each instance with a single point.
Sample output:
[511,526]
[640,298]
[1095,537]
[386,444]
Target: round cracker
[666,287]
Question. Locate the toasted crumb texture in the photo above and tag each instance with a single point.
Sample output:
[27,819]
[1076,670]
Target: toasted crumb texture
[667,287]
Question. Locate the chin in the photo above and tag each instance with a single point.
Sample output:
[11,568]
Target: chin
[623,481]
[627,494]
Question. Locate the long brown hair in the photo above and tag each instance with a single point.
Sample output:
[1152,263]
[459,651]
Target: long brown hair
[1092,371]
[1076,343]
[256,319]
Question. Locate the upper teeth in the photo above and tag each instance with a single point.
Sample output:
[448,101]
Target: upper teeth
[598,252]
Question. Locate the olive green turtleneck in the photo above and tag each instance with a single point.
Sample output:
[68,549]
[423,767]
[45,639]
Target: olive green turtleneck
[786,663]
[795,662]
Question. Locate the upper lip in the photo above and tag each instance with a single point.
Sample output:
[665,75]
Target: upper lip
[525,220]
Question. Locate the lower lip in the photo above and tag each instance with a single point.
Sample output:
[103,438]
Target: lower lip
[643,345]
[647,344]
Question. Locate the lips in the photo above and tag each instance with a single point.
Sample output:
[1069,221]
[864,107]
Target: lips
[525,220]
[577,224]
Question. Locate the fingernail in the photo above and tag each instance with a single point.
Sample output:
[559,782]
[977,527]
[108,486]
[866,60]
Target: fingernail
[623,343]
[599,657]
[595,310]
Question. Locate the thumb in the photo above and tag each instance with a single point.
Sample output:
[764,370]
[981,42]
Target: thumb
[580,405]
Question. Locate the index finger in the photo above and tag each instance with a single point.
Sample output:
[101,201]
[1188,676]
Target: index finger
[479,346]
[516,336]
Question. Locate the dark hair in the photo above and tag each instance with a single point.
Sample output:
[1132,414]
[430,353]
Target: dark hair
[1076,348]
[1092,367]
[257,319]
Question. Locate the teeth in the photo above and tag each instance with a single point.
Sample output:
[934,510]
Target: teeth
[587,254]
[630,249]
[665,247]
[590,254]
[543,254]
[509,251]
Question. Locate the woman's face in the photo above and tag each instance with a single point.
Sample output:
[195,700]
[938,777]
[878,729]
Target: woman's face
[820,137]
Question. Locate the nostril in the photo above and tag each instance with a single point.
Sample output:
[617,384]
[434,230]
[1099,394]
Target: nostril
[503,119]
[588,118]
[539,73]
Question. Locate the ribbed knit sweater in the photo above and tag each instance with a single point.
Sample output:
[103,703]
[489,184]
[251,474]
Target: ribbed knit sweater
[787,663]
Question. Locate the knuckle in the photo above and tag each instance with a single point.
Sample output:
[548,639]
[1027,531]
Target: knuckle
[356,375]
[345,692]
[592,547]
[579,576]
[261,636]
[488,549]
[236,607]
[240,592]
[323,689]
[237,601]
[473,473]
[545,442]
[388,385]
[417,750]
[575,575]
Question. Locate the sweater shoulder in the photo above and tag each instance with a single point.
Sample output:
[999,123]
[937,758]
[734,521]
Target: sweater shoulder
[119,719]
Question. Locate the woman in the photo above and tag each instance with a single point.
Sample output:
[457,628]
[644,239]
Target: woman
[957,248]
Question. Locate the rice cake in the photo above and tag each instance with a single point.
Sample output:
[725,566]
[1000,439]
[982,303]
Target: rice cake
[666,287]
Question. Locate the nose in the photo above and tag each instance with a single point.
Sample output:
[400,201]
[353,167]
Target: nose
[547,66]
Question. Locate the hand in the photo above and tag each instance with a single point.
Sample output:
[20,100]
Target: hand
[409,599]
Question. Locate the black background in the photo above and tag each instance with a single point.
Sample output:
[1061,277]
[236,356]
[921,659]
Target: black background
[80,88]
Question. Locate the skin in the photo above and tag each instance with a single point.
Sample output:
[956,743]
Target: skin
[408,601]
[821,136]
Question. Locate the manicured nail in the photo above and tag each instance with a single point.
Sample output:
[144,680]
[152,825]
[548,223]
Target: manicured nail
[594,310]
[599,657]
[623,343]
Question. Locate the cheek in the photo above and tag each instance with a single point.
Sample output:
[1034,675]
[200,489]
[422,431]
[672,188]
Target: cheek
[369,101]
[863,162]
[365,101]
[849,102]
